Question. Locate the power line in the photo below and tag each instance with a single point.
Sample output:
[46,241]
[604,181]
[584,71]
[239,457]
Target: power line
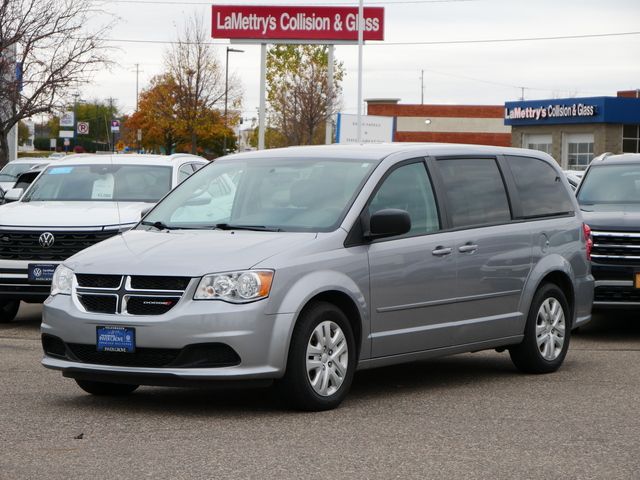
[431,42]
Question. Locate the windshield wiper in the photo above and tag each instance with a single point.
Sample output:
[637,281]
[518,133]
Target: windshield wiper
[257,228]
[159,225]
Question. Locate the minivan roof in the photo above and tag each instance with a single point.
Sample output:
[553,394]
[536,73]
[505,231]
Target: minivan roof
[379,151]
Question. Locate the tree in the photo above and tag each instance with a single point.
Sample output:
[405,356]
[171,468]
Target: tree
[158,117]
[48,39]
[23,133]
[199,79]
[298,91]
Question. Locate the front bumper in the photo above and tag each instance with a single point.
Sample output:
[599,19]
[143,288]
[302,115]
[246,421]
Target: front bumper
[260,340]
[15,283]
[615,286]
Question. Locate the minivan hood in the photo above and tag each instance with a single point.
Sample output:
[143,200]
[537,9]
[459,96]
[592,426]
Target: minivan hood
[70,214]
[187,253]
[616,217]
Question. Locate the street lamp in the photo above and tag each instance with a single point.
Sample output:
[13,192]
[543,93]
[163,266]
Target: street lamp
[226,96]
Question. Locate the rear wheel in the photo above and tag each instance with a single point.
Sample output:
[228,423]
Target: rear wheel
[322,359]
[547,333]
[8,310]
[105,388]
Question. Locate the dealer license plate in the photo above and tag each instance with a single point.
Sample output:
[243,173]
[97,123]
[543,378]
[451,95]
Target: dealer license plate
[41,272]
[116,339]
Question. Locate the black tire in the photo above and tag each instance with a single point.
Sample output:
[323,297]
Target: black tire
[527,356]
[295,386]
[105,388]
[8,310]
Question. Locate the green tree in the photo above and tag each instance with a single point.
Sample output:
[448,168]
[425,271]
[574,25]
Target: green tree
[301,99]
[23,133]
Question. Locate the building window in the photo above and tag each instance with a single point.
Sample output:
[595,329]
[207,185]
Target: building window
[578,150]
[631,139]
[538,142]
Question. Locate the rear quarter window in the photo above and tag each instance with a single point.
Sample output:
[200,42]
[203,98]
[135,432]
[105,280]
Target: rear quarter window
[540,188]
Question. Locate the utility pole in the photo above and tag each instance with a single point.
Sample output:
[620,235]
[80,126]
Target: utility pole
[75,119]
[522,93]
[111,135]
[226,96]
[422,88]
[137,76]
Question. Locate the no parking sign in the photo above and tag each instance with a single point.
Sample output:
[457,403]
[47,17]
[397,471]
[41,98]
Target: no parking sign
[83,128]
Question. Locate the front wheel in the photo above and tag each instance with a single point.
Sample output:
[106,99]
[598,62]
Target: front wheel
[8,310]
[547,333]
[322,359]
[105,388]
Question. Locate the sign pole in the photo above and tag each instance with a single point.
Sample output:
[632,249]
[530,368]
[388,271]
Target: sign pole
[360,42]
[328,138]
[263,93]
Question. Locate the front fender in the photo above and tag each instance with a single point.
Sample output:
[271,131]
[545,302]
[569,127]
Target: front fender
[309,286]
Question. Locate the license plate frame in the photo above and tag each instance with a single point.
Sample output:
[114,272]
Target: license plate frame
[115,339]
[41,272]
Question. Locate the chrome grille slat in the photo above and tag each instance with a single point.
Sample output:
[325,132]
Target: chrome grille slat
[616,247]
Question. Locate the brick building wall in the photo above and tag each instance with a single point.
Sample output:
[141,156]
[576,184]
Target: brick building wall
[470,124]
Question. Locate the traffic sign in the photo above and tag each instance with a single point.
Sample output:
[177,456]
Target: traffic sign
[115,125]
[83,128]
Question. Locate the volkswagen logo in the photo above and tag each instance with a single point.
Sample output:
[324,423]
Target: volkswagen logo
[47,240]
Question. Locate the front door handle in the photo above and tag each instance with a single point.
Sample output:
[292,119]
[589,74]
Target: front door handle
[441,251]
[468,248]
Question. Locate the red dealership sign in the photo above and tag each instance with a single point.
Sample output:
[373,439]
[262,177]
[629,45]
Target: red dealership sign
[295,23]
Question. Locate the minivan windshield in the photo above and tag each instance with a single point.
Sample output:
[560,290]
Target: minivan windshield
[101,182]
[610,184]
[277,194]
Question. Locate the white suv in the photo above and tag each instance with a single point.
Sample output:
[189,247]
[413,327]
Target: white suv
[73,204]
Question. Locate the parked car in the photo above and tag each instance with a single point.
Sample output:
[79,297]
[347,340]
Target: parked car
[574,177]
[10,172]
[22,182]
[609,196]
[73,204]
[327,260]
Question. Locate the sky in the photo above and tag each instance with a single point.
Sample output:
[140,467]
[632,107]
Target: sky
[416,32]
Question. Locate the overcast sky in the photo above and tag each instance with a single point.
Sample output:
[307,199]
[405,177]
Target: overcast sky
[464,73]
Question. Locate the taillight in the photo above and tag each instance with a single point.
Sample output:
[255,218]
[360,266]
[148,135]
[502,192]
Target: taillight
[586,229]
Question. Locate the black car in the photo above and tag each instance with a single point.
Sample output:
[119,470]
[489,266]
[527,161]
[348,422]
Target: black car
[609,197]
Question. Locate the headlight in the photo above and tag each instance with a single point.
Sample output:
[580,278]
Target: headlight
[235,287]
[62,281]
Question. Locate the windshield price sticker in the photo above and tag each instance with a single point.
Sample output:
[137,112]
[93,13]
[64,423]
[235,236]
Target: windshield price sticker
[59,170]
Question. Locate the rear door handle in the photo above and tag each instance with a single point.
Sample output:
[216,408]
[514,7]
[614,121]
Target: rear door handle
[441,251]
[468,248]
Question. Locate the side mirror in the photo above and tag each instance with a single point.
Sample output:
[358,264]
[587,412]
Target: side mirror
[388,223]
[145,211]
[14,194]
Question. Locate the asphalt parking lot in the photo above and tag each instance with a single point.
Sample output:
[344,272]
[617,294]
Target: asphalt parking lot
[466,416]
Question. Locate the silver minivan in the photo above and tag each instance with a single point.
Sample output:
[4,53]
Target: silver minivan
[303,265]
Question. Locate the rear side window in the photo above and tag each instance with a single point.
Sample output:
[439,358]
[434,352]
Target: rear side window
[476,193]
[540,188]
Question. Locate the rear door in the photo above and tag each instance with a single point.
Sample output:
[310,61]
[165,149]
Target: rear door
[493,252]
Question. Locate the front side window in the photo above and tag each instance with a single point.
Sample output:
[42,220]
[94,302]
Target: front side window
[475,191]
[101,182]
[540,188]
[284,194]
[610,184]
[11,171]
[408,188]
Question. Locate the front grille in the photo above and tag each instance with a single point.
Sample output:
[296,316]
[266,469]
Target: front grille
[205,355]
[25,245]
[98,281]
[150,305]
[616,247]
[99,303]
[130,295]
[142,357]
[616,294]
[159,283]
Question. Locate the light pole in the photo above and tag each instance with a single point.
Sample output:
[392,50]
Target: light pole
[226,96]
